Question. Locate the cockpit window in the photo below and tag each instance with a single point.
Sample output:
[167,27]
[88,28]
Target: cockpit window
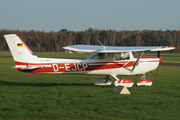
[135,54]
[121,56]
[99,56]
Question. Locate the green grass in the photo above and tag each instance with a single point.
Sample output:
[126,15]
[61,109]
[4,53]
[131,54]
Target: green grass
[53,96]
[167,57]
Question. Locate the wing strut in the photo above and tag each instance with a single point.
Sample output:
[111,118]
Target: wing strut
[107,78]
[135,64]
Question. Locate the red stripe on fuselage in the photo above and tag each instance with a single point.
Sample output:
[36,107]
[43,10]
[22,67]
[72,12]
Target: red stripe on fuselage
[147,57]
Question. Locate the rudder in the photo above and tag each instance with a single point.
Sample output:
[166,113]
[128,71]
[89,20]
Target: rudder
[19,50]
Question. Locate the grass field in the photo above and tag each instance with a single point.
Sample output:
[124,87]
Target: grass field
[53,96]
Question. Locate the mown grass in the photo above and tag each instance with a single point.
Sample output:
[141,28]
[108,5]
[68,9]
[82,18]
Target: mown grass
[167,57]
[53,96]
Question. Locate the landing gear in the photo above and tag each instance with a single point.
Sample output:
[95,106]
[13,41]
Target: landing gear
[103,81]
[123,82]
[144,81]
[143,76]
[107,78]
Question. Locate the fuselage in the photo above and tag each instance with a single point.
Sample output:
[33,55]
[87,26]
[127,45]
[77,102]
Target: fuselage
[107,66]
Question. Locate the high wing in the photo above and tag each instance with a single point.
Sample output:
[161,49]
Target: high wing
[115,49]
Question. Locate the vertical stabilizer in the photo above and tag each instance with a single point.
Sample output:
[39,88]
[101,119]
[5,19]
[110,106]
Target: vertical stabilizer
[19,50]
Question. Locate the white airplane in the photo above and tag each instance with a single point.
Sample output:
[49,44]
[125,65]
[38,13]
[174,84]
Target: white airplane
[106,61]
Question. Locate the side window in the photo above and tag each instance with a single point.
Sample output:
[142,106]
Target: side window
[117,56]
[121,56]
[94,57]
[99,56]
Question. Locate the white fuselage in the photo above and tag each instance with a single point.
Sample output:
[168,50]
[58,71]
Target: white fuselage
[107,66]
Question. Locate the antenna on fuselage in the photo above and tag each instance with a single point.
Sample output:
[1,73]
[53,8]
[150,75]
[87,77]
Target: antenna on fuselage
[101,43]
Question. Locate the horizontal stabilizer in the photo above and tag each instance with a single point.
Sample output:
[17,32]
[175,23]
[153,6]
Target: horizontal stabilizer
[34,67]
[14,67]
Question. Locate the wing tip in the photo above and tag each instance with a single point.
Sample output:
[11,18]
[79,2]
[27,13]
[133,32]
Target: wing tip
[168,47]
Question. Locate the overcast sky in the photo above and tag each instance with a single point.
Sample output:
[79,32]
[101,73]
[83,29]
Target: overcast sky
[79,15]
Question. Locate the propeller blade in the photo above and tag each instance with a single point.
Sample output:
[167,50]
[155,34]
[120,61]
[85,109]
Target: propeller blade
[158,54]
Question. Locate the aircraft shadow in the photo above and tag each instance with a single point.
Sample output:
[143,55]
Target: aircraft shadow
[41,84]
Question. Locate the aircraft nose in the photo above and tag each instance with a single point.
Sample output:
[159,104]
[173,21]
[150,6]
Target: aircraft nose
[160,60]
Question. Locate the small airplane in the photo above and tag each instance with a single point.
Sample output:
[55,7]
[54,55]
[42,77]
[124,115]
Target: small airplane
[105,61]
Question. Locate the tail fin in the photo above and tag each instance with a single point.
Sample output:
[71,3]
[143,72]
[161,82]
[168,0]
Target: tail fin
[19,50]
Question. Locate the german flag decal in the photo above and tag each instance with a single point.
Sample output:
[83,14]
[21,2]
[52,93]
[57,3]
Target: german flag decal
[19,45]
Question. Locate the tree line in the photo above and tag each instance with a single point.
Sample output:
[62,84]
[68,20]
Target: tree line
[40,41]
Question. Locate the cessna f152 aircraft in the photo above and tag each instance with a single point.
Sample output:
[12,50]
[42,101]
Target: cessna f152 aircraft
[106,61]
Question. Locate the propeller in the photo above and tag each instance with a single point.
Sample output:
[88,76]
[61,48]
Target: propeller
[158,55]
